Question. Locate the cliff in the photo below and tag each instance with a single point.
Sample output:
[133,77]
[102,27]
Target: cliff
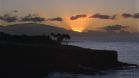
[36,60]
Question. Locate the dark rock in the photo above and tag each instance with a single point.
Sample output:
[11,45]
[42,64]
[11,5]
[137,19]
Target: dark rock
[36,61]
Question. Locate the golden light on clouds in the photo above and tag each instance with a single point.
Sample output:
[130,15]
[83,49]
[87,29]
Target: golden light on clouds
[81,24]
[78,25]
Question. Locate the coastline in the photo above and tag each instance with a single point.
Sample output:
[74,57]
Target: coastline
[39,59]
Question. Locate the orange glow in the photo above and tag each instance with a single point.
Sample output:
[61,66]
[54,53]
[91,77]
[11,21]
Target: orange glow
[41,13]
[78,25]
[76,30]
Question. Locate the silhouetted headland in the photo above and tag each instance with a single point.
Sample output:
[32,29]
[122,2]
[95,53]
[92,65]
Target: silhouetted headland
[35,56]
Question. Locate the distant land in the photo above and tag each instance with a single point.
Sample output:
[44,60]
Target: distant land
[42,29]
[31,29]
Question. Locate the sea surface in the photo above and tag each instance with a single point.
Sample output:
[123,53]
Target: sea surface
[128,51]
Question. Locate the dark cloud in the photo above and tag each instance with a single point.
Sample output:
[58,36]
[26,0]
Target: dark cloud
[78,16]
[32,18]
[114,27]
[56,19]
[101,16]
[27,18]
[38,19]
[136,15]
[8,18]
[126,15]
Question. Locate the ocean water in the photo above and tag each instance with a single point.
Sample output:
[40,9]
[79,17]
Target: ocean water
[128,51]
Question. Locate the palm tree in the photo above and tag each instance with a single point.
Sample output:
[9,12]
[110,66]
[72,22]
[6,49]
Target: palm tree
[66,37]
[52,36]
[60,37]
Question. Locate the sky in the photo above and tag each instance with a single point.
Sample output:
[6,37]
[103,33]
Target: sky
[65,9]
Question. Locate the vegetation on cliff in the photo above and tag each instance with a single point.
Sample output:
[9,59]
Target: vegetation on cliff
[35,56]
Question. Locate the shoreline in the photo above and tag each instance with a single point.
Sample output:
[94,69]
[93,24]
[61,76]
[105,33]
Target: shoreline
[38,59]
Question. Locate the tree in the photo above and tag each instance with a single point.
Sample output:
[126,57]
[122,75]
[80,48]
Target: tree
[66,37]
[62,37]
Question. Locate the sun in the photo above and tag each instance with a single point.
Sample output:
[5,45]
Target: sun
[76,30]
[78,25]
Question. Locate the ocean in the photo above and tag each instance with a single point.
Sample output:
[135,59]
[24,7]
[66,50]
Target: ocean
[128,51]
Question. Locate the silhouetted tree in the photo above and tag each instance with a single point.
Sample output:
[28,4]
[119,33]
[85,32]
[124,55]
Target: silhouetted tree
[67,37]
[52,36]
[61,37]
[58,38]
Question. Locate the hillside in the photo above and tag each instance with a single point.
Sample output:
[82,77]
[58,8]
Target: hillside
[32,29]
[41,29]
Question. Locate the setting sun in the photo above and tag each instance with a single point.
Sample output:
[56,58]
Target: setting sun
[76,30]
[78,25]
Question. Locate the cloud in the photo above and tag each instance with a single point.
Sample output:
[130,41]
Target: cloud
[38,19]
[32,18]
[126,15]
[26,18]
[101,16]
[78,16]
[8,18]
[114,27]
[136,15]
[56,19]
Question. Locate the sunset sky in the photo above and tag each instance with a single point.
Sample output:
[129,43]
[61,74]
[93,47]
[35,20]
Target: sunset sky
[80,9]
